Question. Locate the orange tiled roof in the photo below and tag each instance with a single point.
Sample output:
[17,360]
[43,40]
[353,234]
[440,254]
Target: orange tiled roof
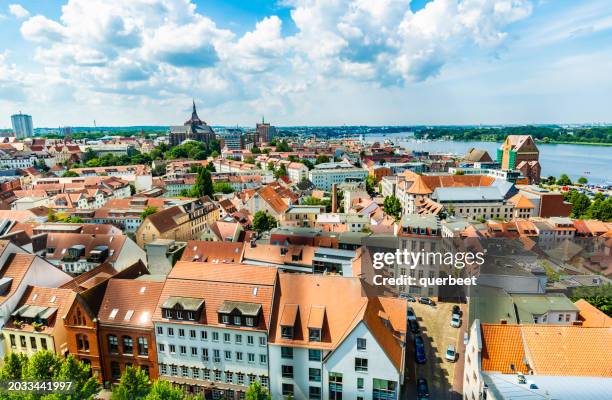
[502,346]
[591,316]
[568,350]
[134,300]
[208,252]
[521,201]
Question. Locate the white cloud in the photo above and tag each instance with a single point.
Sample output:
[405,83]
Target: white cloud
[155,50]
[18,11]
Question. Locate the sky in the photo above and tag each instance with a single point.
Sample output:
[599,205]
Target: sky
[306,62]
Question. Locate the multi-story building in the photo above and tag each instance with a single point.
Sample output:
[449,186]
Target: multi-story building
[180,222]
[22,125]
[264,132]
[231,139]
[322,348]
[126,327]
[38,323]
[519,152]
[211,324]
[303,216]
[324,175]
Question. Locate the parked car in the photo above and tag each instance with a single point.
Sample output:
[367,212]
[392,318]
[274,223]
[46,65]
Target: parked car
[410,314]
[414,327]
[455,321]
[422,389]
[407,297]
[451,353]
[427,300]
[457,310]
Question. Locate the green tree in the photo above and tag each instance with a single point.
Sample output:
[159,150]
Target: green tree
[69,174]
[598,296]
[564,180]
[582,180]
[214,154]
[46,366]
[257,392]
[370,185]
[203,185]
[281,171]
[270,166]
[262,222]
[148,211]
[163,390]
[307,163]
[392,207]
[255,150]
[322,159]
[223,187]
[134,384]
[249,160]
[283,146]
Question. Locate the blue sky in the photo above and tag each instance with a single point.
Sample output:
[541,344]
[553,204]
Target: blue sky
[306,62]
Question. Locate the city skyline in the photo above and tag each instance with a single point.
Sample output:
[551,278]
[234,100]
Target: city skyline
[306,63]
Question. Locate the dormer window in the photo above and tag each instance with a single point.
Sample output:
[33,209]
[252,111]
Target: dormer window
[179,314]
[287,332]
[237,320]
[225,319]
[167,314]
[190,315]
[314,334]
[249,321]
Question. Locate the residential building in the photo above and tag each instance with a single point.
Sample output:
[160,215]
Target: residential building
[180,222]
[322,348]
[503,361]
[212,323]
[300,215]
[264,132]
[38,321]
[323,176]
[126,328]
[546,203]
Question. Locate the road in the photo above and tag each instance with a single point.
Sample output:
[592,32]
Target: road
[444,378]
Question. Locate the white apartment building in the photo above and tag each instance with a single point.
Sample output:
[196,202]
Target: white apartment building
[323,176]
[322,348]
[474,202]
[211,328]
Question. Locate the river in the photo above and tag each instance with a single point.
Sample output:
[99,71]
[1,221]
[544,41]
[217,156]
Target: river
[592,162]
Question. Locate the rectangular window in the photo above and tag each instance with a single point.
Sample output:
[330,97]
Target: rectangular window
[225,319]
[183,350]
[287,352]
[287,389]
[163,369]
[262,341]
[215,336]
[43,343]
[172,348]
[162,347]
[335,385]
[192,334]
[181,333]
[229,377]
[190,315]
[194,351]
[360,383]
[216,356]
[206,374]
[217,375]
[160,330]
[174,370]
[287,371]
[250,340]
[13,341]
[314,393]
[170,331]
[314,374]
[143,346]
[204,335]
[33,343]
[238,339]
[204,354]
[249,321]
[237,320]
[228,355]
[263,359]
[195,372]
[240,377]
[226,337]
[184,371]
[238,356]
[287,332]
[251,357]
[314,355]
[361,344]
[361,364]
[314,335]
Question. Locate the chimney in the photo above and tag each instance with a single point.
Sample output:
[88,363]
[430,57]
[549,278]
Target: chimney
[334,198]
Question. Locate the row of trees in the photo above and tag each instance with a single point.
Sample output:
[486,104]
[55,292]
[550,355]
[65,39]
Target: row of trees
[599,207]
[134,383]
[545,134]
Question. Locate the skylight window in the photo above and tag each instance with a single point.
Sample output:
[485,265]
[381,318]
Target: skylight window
[53,298]
[255,291]
[143,289]
[128,315]
[34,297]
[113,313]
[144,317]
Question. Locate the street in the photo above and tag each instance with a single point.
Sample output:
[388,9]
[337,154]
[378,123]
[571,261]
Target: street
[444,378]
